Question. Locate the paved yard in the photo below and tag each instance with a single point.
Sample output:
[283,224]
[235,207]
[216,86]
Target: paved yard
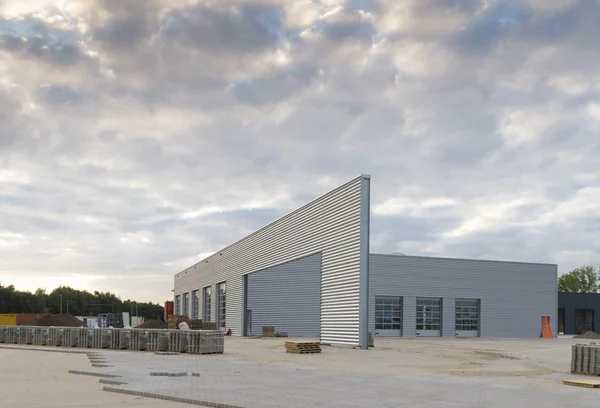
[396,373]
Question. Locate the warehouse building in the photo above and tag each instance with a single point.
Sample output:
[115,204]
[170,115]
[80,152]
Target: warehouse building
[578,312]
[311,274]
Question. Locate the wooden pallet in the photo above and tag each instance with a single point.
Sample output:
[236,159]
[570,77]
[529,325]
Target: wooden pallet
[302,352]
[302,347]
[583,383]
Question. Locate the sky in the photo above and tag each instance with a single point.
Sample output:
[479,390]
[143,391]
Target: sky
[138,137]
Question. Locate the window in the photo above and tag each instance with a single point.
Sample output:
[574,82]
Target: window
[177,305]
[206,300]
[186,304]
[467,315]
[221,305]
[195,303]
[429,314]
[388,313]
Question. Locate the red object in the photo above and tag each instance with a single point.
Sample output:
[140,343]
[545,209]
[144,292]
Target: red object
[168,309]
[546,328]
[228,332]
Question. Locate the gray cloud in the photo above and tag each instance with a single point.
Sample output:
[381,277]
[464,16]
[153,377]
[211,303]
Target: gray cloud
[137,137]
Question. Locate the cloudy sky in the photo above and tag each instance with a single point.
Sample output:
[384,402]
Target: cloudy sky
[137,137]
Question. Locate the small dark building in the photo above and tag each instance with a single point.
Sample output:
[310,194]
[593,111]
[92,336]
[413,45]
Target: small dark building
[578,312]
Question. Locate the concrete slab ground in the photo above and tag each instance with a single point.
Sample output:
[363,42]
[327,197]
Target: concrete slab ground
[396,373]
[41,379]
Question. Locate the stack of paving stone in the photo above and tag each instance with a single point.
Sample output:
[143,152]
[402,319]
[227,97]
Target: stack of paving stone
[585,359]
[158,340]
[22,334]
[55,336]
[40,336]
[101,338]
[28,331]
[268,331]
[11,335]
[2,333]
[124,339]
[86,337]
[178,340]
[139,339]
[302,347]
[206,342]
[70,337]
[115,338]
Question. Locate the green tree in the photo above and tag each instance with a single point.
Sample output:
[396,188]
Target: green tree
[584,279]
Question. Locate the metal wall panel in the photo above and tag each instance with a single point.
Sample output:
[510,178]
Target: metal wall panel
[572,301]
[514,296]
[335,225]
[287,297]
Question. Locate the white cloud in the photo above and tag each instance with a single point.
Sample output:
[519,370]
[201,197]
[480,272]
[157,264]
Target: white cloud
[138,138]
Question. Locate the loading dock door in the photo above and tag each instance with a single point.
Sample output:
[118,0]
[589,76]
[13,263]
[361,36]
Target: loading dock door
[388,316]
[429,317]
[467,318]
[286,296]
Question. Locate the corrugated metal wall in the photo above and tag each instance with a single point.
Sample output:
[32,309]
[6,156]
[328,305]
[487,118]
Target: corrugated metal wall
[514,296]
[334,225]
[287,297]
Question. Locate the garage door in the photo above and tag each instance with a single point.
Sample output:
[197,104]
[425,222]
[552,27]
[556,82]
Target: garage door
[429,317]
[388,316]
[467,318]
[287,296]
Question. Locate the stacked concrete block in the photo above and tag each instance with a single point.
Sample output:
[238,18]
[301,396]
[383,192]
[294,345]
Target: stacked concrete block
[85,337]
[124,339]
[55,336]
[139,339]
[28,332]
[40,336]
[101,338]
[22,336]
[178,340]
[11,335]
[158,340]
[70,337]
[585,359]
[206,342]
[2,332]
[115,338]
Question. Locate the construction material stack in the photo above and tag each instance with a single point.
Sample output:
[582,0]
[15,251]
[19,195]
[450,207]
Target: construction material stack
[268,331]
[85,337]
[11,334]
[158,340]
[55,336]
[124,339]
[585,359]
[139,339]
[40,336]
[181,341]
[302,347]
[205,342]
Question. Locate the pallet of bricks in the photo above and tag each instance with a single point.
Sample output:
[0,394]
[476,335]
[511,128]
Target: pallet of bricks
[585,359]
[302,347]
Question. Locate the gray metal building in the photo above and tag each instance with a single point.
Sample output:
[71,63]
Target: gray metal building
[310,274]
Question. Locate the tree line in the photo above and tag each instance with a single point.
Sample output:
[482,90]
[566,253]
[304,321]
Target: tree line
[74,302]
[583,280]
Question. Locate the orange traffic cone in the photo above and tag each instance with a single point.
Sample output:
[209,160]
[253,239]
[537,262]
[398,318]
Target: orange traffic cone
[546,328]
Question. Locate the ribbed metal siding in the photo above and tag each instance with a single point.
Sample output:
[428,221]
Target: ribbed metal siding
[287,297]
[331,225]
[514,296]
